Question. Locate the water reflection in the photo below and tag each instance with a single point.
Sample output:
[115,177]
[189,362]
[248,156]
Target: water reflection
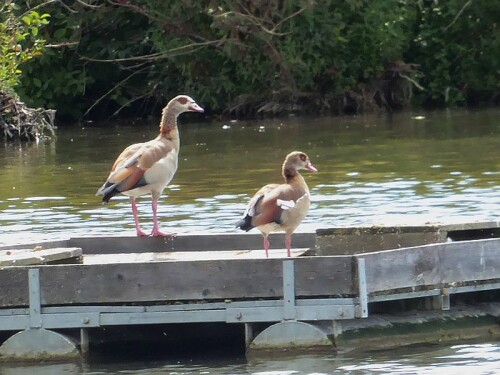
[474,359]
[405,169]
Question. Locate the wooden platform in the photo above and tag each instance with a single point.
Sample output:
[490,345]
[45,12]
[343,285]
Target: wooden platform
[227,279]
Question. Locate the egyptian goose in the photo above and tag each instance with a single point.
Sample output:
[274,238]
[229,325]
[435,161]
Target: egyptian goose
[280,207]
[147,168]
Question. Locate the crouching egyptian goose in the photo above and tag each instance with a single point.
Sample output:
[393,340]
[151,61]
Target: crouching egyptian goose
[280,207]
[147,168]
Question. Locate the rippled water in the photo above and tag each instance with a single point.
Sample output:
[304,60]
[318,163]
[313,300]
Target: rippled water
[405,169]
[411,168]
[468,359]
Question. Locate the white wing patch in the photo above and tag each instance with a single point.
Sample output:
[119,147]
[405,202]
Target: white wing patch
[285,205]
[292,215]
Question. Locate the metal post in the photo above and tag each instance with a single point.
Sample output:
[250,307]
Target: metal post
[34,298]
[445,299]
[289,312]
[442,301]
[362,308]
[248,334]
[84,342]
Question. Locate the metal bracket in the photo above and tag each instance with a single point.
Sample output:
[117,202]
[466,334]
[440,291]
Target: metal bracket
[362,308]
[289,312]
[445,299]
[35,307]
[442,301]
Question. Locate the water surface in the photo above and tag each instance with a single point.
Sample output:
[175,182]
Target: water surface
[467,359]
[408,169]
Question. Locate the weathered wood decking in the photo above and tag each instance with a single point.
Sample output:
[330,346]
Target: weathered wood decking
[185,280]
[27,257]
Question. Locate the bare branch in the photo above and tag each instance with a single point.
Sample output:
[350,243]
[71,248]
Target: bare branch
[88,5]
[458,15]
[135,8]
[412,81]
[254,20]
[160,55]
[44,4]
[288,18]
[145,95]
[113,89]
[60,45]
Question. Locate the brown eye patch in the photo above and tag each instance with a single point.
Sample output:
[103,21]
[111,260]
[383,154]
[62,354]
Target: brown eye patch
[183,101]
[303,157]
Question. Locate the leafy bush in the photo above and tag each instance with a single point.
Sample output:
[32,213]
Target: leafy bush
[249,56]
[457,45]
[20,41]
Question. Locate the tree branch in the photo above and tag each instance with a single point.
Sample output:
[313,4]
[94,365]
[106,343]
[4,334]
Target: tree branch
[160,55]
[458,15]
[113,89]
[288,18]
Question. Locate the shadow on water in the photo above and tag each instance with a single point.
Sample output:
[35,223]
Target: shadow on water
[179,341]
[466,358]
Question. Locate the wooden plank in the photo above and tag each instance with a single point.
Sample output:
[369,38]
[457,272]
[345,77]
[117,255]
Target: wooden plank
[177,281]
[436,264]
[43,244]
[188,242]
[183,256]
[160,281]
[324,276]
[27,257]
[14,287]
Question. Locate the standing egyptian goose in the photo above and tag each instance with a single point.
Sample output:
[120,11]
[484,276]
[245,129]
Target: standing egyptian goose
[147,168]
[280,207]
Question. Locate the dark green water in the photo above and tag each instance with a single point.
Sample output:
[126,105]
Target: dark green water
[467,359]
[406,169]
[411,168]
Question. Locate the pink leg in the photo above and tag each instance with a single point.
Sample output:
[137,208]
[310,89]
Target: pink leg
[140,233]
[156,231]
[266,246]
[288,244]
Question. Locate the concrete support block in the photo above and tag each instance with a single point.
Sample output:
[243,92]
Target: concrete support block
[291,335]
[38,344]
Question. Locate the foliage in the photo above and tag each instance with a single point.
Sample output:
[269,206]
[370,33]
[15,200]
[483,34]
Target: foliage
[457,44]
[19,42]
[249,56]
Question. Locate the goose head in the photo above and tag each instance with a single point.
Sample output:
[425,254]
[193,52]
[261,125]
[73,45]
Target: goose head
[297,160]
[183,103]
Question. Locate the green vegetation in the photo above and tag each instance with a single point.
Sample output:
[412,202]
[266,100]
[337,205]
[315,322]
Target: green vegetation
[20,41]
[248,57]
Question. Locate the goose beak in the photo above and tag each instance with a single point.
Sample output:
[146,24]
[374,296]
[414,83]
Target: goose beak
[311,167]
[195,108]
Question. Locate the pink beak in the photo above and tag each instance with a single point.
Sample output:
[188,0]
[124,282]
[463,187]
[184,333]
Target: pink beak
[195,108]
[311,167]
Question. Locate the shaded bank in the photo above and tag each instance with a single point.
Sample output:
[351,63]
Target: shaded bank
[248,58]
[19,122]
